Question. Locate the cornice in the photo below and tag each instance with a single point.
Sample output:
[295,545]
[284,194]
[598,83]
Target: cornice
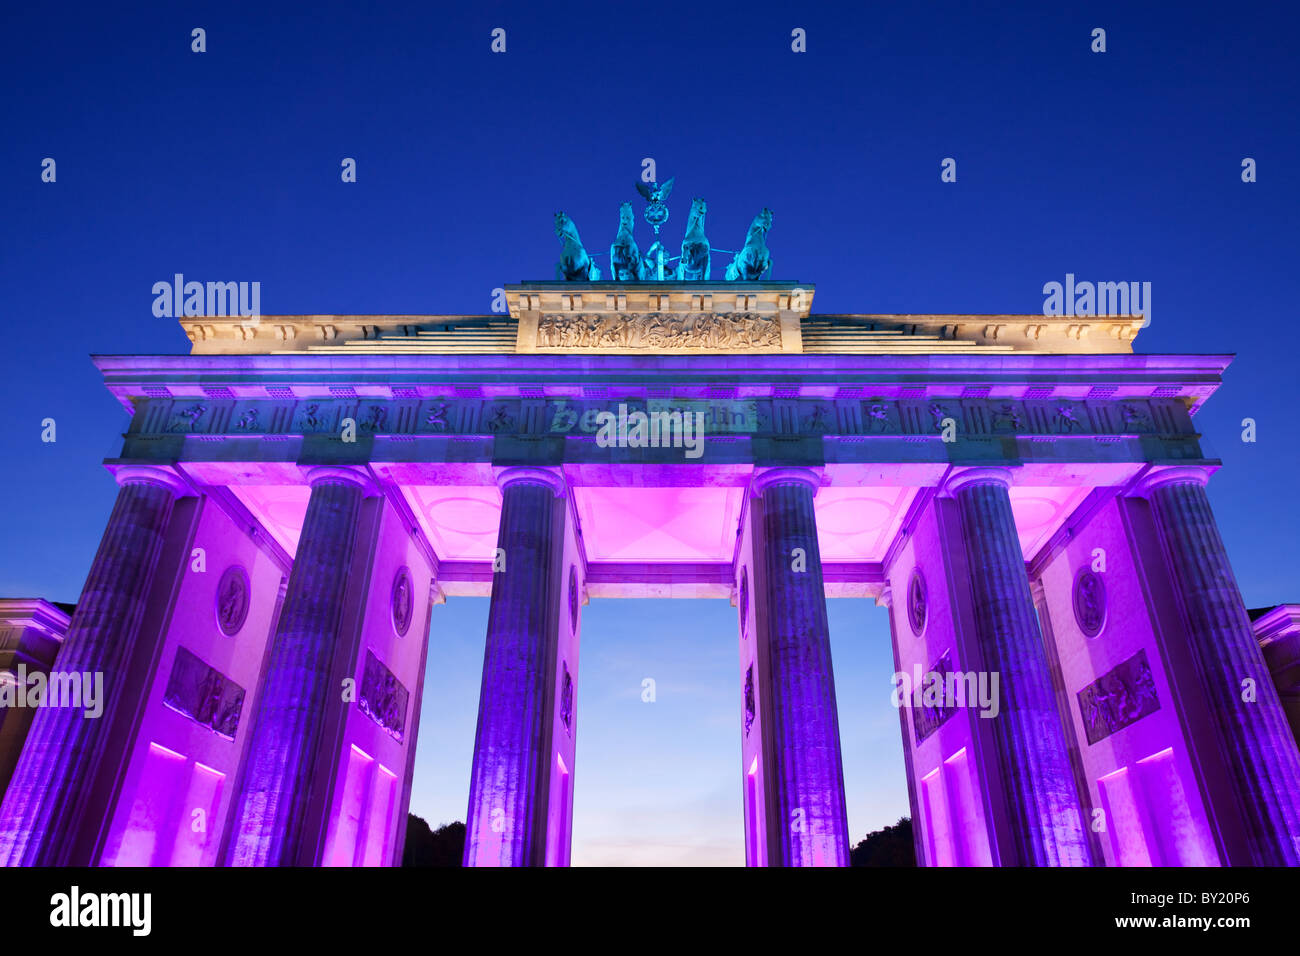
[535,305]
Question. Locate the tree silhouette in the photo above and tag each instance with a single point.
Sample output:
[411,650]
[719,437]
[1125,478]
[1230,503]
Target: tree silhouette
[891,846]
[444,846]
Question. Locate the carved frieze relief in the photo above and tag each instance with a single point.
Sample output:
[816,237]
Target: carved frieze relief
[566,698]
[929,717]
[186,419]
[750,707]
[473,415]
[661,331]
[1124,694]
[203,694]
[383,698]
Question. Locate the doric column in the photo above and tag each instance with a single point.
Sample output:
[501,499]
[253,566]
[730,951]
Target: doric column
[805,736]
[40,817]
[1042,802]
[1261,754]
[272,803]
[31,633]
[509,783]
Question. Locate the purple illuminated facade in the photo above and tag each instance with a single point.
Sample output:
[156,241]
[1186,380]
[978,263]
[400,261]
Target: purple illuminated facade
[1023,493]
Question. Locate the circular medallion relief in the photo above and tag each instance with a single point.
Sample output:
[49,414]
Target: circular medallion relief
[232,600]
[1089,602]
[566,699]
[403,601]
[573,601]
[744,603]
[917,602]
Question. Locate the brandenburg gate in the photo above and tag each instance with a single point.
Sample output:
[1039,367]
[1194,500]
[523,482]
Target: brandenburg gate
[1024,493]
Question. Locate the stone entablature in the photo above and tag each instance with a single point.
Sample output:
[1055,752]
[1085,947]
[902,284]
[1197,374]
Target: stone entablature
[1069,335]
[25,622]
[850,415]
[1190,378]
[1113,408]
[449,334]
[272,334]
[646,318]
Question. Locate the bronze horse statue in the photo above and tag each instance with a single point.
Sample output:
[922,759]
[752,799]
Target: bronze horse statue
[753,260]
[574,265]
[694,263]
[625,263]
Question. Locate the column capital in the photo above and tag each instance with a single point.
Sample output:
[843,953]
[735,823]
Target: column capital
[551,477]
[964,477]
[1159,477]
[160,475]
[764,478]
[341,475]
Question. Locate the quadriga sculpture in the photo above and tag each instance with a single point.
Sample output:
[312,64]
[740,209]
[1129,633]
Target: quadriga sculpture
[574,265]
[625,264]
[694,263]
[753,260]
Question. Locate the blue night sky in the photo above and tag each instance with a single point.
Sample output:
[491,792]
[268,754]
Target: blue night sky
[1123,166]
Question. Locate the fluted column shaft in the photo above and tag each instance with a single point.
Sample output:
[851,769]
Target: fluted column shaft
[506,823]
[1042,801]
[273,800]
[40,816]
[809,774]
[1261,754]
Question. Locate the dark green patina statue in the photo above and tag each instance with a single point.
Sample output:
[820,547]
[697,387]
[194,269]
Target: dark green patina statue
[694,263]
[574,265]
[754,259]
[626,264]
